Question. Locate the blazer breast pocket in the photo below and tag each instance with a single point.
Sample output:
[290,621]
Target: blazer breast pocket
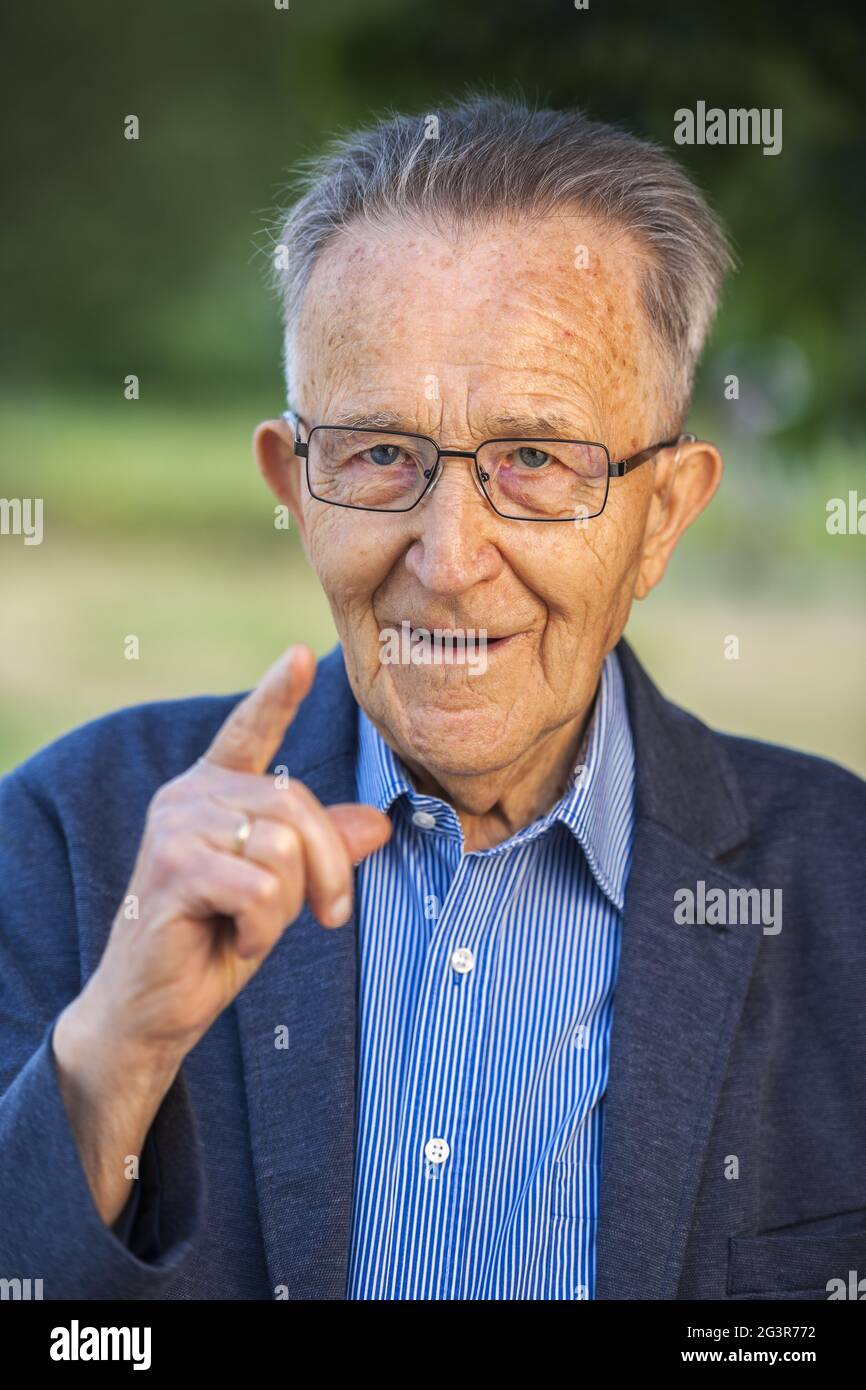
[814,1260]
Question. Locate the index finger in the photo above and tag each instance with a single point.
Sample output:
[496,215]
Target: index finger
[254,730]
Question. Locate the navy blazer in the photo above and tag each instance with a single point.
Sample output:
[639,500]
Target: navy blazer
[734,1160]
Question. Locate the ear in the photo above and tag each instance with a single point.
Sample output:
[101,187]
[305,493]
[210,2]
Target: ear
[685,479]
[279,465]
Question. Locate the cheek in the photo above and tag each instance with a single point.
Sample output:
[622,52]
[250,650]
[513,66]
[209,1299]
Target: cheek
[349,557]
[579,572]
[626,515]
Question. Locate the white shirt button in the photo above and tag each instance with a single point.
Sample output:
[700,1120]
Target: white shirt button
[424,819]
[436,1150]
[462,960]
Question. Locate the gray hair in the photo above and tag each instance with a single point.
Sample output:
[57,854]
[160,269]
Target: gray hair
[491,158]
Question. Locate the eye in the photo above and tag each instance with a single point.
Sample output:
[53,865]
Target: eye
[383,454]
[532,458]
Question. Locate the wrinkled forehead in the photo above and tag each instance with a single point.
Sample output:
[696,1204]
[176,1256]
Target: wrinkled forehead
[547,307]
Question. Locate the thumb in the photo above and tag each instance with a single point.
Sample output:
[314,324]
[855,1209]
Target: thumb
[363,828]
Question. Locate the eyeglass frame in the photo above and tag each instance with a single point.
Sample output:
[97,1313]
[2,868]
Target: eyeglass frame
[614,470]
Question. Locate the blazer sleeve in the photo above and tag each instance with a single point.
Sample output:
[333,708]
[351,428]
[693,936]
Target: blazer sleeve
[50,1228]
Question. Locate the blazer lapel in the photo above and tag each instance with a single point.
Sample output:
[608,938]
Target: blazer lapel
[678,997]
[297,1024]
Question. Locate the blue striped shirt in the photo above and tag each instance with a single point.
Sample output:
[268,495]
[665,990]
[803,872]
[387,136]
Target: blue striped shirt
[485,998]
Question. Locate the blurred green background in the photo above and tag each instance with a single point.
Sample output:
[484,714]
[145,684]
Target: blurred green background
[148,257]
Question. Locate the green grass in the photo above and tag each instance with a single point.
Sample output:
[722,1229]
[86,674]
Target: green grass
[135,468]
[207,618]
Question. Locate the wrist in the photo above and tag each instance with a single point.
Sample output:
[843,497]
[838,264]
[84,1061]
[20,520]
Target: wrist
[94,1045]
[112,1088]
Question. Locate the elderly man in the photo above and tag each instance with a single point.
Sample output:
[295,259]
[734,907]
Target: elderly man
[493,976]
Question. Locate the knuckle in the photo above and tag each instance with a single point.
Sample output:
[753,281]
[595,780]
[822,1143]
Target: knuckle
[177,787]
[171,796]
[165,821]
[286,843]
[169,857]
[296,795]
[164,798]
[265,892]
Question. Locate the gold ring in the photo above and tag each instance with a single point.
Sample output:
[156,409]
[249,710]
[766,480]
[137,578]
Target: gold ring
[242,834]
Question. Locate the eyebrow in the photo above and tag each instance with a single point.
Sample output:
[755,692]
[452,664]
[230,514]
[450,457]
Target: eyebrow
[373,420]
[536,426]
[496,426]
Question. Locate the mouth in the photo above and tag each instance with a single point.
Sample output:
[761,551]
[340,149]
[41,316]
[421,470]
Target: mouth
[473,648]
[477,642]
[476,634]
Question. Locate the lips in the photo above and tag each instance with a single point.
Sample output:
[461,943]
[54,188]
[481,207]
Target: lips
[475,637]
[487,643]
[476,632]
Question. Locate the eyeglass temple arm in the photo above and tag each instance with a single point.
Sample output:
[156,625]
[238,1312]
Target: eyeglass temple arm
[300,446]
[618,470]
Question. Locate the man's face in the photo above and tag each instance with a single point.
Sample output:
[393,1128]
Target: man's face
[445,335]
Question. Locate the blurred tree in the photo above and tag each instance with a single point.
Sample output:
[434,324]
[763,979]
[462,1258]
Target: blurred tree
[139,256]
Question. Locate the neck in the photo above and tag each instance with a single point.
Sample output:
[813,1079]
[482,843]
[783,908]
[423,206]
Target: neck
[493,806]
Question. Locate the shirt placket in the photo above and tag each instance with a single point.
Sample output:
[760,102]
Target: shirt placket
[450,1030]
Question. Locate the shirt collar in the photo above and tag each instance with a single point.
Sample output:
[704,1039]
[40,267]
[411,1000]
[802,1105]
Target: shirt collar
[597,807]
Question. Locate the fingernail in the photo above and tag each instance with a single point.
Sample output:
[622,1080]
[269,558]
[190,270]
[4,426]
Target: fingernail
[341,910]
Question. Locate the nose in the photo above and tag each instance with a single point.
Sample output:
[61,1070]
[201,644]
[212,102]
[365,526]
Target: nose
[453,546]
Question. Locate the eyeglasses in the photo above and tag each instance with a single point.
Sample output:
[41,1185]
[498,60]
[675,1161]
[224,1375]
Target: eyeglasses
[523,479]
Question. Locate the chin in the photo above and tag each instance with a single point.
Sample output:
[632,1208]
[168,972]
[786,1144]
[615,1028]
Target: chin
[457,741]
